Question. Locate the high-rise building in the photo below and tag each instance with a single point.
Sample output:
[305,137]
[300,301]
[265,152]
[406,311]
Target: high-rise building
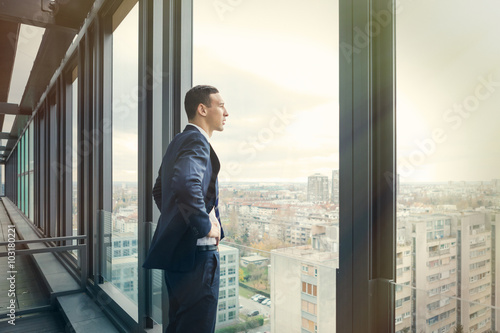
[228,307]
[303,287]
[434,268]
[403,289]
[335,187]
[495,270]
[124,264]
[475,273]
[317,188]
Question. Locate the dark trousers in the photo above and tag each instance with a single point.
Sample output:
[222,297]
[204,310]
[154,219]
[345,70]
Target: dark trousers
[193,295]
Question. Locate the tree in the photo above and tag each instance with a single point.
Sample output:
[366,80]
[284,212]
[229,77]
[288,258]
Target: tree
[241,275]
[458,329]
[231,225]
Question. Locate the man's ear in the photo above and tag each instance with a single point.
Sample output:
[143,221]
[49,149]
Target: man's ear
[201,110]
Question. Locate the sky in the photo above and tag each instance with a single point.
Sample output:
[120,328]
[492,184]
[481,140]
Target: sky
[276,66]
[448,90]
[125,82]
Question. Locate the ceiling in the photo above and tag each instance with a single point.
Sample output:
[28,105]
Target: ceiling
[61,19]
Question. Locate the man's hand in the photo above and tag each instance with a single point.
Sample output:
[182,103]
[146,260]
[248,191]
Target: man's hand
[215,230]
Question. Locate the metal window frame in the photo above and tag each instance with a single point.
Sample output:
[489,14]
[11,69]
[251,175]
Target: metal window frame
[367,169]
[161,119]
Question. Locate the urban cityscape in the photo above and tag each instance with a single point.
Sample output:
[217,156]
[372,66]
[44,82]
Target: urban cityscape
[282,243]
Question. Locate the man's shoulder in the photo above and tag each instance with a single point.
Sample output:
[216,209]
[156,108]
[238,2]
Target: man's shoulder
[192,136]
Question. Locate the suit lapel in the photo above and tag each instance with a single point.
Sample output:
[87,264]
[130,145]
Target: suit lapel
[215,171]
[215,162]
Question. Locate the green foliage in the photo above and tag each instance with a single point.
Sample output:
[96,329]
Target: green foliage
[243,327]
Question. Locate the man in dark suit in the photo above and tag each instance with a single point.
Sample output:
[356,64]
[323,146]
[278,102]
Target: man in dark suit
[185,241]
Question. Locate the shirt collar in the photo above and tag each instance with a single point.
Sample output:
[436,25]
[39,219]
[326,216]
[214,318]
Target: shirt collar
[202,131]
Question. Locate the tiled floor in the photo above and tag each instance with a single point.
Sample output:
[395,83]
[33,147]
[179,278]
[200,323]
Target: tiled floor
[30,291]
[81,313]
[42,322]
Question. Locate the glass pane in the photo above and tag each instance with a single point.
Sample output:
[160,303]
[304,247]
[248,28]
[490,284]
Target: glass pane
[26,177]
[277,71]
[124,151]
[448,166]
[2,179]
[31,171]
[74,173]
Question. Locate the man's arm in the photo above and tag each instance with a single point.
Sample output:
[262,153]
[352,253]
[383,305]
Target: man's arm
[157,191]
[189,171]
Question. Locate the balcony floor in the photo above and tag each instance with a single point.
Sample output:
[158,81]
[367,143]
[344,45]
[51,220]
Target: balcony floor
[30,290]
[46,322]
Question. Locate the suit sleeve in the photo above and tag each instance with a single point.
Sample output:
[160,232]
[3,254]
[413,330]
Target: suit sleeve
[189,171]
[157,191]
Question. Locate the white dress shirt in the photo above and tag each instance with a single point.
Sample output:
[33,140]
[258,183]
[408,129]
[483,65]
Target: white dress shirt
[207,240]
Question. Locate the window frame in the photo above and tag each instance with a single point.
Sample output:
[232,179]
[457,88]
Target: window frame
[367,169]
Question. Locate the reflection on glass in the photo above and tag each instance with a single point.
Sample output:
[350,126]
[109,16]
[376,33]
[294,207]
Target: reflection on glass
[277,71]
[448,181]
[124,151]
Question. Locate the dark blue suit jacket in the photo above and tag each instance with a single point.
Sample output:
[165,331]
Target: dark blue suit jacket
[185,191]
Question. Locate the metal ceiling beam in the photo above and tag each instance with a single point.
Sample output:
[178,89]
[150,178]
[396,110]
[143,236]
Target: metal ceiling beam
[52,50]
[11,108]
[18,126]
[40,13]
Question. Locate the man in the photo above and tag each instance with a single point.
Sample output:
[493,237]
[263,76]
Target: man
[185,241]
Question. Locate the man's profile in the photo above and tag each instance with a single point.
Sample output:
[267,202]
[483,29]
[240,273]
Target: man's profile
[185,242]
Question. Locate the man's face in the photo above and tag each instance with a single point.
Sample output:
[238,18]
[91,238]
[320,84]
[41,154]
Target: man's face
[216,113]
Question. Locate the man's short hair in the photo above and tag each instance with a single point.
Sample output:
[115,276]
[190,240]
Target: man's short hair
[195,96]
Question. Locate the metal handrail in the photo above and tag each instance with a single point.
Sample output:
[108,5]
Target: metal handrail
[46,249]
[43,240]
[80,247]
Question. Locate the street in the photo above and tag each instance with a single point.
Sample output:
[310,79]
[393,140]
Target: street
[249,306]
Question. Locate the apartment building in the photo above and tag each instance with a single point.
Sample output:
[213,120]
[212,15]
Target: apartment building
[335,187]
[434,270]
[303,286]
[228,307]
[474,271]
[403,291]
[317,188]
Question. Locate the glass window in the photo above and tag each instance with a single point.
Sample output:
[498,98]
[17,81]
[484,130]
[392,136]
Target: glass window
[448,182]
[222,306]
[125,97]
[31,167]
[74,156]
[276,67]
